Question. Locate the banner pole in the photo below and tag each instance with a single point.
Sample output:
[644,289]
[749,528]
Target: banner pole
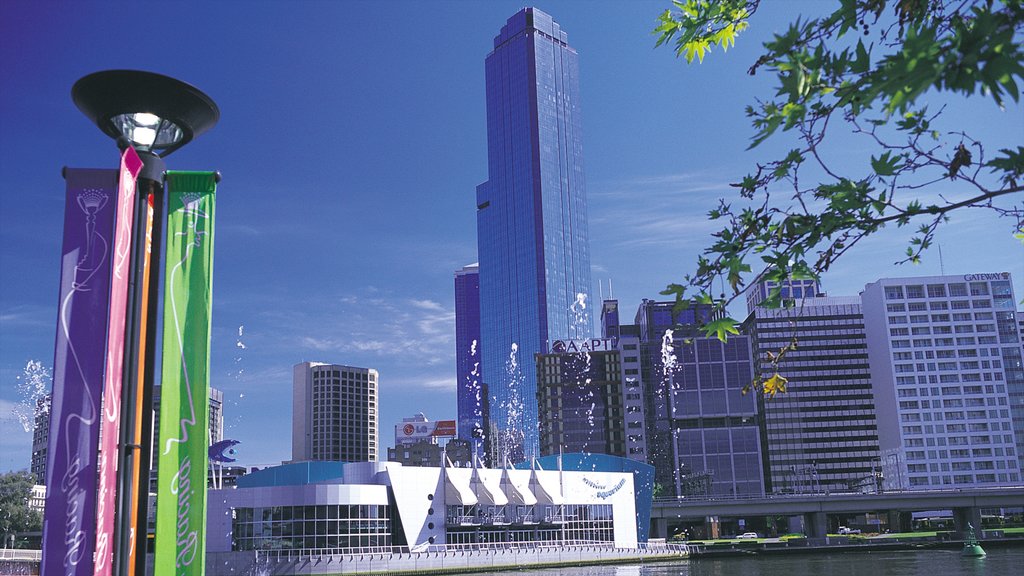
[137,411]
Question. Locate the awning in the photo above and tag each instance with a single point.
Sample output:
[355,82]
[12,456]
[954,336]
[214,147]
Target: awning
[517,487]
[457,488]
[547,486]
[488,487]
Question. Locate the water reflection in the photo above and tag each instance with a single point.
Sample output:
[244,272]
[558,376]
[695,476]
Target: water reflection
[999,562]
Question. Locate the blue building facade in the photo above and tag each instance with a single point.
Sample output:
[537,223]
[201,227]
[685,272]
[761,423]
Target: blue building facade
[472,402]
[531,222]
[703,432]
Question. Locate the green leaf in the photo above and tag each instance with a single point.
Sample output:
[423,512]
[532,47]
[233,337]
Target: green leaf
[721,328]
[885,165]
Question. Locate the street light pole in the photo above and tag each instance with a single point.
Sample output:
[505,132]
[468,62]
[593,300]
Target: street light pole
[155,115]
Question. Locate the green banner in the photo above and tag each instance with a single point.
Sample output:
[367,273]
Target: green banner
[184,396]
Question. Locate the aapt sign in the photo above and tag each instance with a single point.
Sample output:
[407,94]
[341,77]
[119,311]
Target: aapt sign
[578,346]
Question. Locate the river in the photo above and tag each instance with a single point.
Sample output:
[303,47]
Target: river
[999,562]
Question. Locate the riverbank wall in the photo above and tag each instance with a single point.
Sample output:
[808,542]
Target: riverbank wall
[253,563]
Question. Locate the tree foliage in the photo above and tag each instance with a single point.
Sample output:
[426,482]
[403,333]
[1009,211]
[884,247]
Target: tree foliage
[15,515]
[861,69]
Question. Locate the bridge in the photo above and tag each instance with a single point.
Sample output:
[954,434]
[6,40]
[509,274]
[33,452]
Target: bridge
[966,505]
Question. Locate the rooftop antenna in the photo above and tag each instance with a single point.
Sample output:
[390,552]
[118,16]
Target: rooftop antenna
[600,289]
[611,295]
[942,267]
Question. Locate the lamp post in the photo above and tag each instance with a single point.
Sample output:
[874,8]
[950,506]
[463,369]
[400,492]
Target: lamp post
[155,115]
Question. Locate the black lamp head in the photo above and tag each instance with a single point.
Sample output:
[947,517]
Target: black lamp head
[153,112]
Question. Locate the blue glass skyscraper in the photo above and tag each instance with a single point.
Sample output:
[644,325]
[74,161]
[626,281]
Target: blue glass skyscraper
[534,247]
[472,402]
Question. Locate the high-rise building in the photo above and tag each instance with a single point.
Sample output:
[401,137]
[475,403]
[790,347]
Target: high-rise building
[531,221]
[821,433]
[703,432]
[937,347]
[215,431]
[40,438]
[580,398]
[472,402]
[634,400]
[334,413]
[42,427]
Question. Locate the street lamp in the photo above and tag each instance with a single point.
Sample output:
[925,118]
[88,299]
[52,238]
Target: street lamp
[155,115]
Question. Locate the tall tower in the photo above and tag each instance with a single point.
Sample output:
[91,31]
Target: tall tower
[472,402]
[334,413]
[534,248]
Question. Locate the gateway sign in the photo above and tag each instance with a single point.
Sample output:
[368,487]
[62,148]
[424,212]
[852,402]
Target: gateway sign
[999,276]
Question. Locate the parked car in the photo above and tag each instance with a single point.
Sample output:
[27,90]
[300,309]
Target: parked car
[845,530]
[746,535]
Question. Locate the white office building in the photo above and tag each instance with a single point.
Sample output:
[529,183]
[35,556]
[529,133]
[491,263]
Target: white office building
[334,413]
[938,348]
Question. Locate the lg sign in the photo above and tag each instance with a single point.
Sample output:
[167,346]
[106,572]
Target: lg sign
[428,429]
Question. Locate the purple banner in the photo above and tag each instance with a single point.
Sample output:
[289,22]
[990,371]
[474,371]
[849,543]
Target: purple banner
[69,523]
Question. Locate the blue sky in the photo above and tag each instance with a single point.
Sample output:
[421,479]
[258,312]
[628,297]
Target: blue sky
[351,140]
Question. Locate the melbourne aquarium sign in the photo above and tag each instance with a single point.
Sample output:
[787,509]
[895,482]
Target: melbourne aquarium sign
[589,345]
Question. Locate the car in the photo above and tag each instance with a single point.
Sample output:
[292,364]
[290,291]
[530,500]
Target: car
[747,535]
[845,530]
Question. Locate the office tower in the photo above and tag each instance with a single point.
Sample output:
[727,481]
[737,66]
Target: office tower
[703,431]
[531,221]
[580,398]
[334,413]
[472,403]
[821,434]
[215,431]
[40,438]
[936,346]
[627,338]
[42,426]
[790,290]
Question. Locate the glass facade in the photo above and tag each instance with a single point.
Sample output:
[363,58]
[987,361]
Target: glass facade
[311,530]
[702,431]
[554,524]
[531,222]
[472,403]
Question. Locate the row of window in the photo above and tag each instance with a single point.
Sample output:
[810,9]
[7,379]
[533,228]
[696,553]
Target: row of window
[940,290]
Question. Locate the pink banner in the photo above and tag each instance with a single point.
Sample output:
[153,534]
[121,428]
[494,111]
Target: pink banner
[111,422]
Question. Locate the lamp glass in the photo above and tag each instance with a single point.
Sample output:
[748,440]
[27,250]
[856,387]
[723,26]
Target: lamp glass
[148,131]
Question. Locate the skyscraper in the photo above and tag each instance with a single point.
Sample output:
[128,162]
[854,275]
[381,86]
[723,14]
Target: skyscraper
[821,434]
[334,413]
[532,234]
[472,403]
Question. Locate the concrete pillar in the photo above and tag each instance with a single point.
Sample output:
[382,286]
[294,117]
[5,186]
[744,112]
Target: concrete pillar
[963,516]
[659,527]
[815,525]
[713,527]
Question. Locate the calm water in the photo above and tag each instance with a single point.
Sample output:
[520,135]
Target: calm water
[999,562]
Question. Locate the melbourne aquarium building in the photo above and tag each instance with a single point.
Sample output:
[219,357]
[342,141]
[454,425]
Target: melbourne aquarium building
[333,510]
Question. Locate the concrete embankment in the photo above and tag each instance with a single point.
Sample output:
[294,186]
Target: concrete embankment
[441,562]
